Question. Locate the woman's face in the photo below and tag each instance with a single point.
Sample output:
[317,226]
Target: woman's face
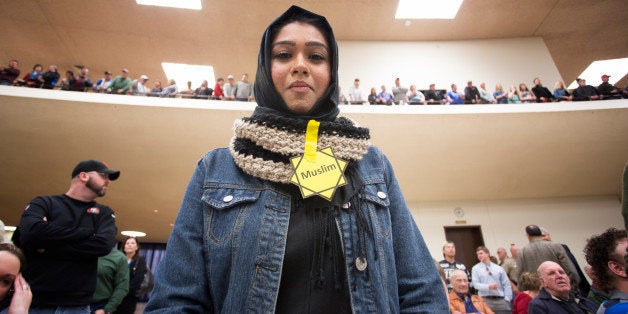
[130,246]
[9,269]
[300,66]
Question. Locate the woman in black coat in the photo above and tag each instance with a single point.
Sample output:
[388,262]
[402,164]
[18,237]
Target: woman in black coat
[137,269]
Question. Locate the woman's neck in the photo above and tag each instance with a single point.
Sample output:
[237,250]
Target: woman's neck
[129,256]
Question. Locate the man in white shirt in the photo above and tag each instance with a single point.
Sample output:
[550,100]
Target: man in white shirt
[491,282]
[355,93]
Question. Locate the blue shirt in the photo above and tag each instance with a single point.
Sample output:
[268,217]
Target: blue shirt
[483,275]
[456,98]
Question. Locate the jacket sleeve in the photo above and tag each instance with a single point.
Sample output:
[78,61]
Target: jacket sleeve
[568,266]
[36,232]
[120,285]
[100,241]
[417,279]
[183,287]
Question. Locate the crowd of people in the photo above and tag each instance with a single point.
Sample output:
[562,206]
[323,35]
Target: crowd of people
[62,255]
[243,89]
[300,214]
[541,277]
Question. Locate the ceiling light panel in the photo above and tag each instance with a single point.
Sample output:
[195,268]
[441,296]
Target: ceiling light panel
[427,9]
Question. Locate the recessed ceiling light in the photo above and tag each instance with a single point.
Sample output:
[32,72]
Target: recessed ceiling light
[10,228]
[427,9]
[136,234]
[181,4]
[615,68]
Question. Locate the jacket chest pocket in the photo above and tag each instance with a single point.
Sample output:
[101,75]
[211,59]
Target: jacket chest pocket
[378,203]
[226,210]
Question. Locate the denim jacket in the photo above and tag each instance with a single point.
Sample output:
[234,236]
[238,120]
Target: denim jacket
[225,253]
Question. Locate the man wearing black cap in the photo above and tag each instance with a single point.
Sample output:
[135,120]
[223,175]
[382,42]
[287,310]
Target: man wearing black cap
[63,236]
[538,251]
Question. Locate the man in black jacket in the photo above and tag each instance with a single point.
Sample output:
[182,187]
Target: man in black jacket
[63,236]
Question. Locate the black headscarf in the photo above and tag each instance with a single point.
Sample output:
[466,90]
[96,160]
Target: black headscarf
[268,99]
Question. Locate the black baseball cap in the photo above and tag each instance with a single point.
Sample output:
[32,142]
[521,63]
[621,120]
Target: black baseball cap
[95,165]
[534,231]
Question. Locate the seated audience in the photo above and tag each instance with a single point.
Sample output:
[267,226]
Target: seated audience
[138,86]
[120,84]
[372,96]
[68,81]
[355,93]
[556,296]
[102,84]
[49,78]
[471,94]
[454,97]
[608,90]
[218,94]
[500,96]
[157,89]
[229,88]
[399,93]
[188,90]
[203,91]
[605,253]
[513,95]
[530,286]
[560,93]
[525,94]
[15,293]
[415,96]
[384,97]
[485,95]
[31,79]
[585,92]
[171,90]
[9,75]
[541,92]
[460,300]
[434,96]
[82,81]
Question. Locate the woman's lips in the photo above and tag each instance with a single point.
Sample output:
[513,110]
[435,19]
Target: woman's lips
[300,87]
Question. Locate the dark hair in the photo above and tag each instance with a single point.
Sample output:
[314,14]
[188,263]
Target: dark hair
[529,281]
[136,255]
[15,251]
[600,250]
[37,65]
[533,231]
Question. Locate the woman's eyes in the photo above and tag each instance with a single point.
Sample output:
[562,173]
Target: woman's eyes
[284,55]
[5,282]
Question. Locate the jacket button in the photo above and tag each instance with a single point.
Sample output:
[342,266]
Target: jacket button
[228,198]
[346,205]
[360,263]
[381,195]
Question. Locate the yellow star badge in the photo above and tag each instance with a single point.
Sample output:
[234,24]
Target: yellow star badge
[321,176]
[317,172]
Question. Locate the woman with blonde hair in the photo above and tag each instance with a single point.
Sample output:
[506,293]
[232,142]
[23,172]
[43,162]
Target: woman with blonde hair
[560,93]
[500,96]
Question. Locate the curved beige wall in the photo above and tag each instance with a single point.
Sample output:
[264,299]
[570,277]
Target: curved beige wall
[558,165]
